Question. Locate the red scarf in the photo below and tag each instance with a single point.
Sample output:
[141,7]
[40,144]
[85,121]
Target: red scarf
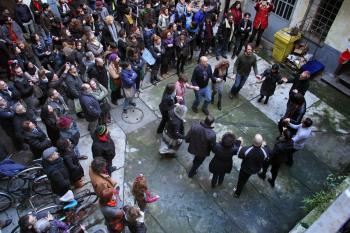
[37,5]
[112,203]
[12,34]
[103,138]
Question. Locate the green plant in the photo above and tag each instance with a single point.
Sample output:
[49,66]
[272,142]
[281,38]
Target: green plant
[322,198]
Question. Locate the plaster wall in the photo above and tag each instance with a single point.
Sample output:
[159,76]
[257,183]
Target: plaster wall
[299,12]
[339,33]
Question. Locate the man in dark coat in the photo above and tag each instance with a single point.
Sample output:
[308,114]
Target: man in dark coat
[103,146]
[222,161]
[99,72]
[200,77]
[6,118]
[56,171]
[242,34]
[201,139]
[281,151]
[91,108]
[9,93]
[36,138]
[253,158]
[24,17]
[224,36]
[301,83]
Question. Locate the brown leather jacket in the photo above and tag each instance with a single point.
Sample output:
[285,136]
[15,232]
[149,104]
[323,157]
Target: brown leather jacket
[101,182]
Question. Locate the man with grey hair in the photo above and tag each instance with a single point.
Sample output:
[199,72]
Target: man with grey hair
[90,106]
[253,158]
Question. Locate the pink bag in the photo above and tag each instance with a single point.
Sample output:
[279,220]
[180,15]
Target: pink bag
[150,198]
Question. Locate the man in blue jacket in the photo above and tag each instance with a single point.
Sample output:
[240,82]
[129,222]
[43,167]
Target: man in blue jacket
[200,77]
[90,106]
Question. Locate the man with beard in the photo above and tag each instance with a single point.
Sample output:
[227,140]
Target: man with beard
[242,68]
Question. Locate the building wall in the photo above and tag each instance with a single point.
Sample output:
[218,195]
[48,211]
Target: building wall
[299,12]
[340,31]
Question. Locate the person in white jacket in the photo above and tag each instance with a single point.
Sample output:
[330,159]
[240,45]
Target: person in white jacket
[303,133]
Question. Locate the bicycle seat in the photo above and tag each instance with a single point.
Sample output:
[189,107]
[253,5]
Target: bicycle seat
[70,205]
[67,197]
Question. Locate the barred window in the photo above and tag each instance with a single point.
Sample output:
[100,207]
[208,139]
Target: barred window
[284,8]
[324,18]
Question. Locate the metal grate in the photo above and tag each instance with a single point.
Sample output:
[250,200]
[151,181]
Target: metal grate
[283,8]
[324,17]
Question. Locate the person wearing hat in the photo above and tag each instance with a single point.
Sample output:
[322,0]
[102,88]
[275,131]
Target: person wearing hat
[271,77]
[253,158]
[56,171]
[112,209]
[103,146]
[201,139]
[69,130]
[174,132]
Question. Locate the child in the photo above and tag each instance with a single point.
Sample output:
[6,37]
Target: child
[180,88]
[140,192]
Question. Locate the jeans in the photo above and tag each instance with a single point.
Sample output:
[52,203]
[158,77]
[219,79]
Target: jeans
[126,103]
[239,82]
[221,48]
[92,127]
[202,93]
[29,27]
[240,41]
[76,151]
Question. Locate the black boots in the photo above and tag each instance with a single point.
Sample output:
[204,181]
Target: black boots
[219,100]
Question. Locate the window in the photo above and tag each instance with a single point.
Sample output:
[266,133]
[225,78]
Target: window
[284,8]
[325,15]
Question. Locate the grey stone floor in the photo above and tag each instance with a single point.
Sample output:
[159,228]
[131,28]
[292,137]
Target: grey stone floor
[191,205]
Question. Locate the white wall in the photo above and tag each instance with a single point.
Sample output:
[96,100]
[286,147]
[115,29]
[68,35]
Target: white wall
[299,12]
[339,33]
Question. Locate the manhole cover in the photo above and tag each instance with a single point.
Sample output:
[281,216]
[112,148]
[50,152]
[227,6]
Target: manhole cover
[133,116]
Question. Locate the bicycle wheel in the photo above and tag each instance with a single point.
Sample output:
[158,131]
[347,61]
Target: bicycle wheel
[86,202]
[20,180]
[42,186]
[5,201]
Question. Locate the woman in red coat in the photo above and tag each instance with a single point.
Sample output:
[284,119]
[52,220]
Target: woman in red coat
[263,9]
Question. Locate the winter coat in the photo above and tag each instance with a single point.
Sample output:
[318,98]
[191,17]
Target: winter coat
[23,87]
[40,49]
[99,73]
[6,119]
[11,96]
[301,85]
[253,158]
[104,149]
[262,16]
[225,31]
[75,170]
[58,175]
[243,29]
[182,49]
[167,102]
[16,29]
[174,127]
[122,45]
[199,17]
[201,76]
[128,78]
[73,86]
[72,134]
[22,13]
[37,142]
[269,85]
[95,48]
[147,35]
[222,161]
[50,122]
[294,112]
[18,120]
[280,152]
[237,15]
[90,106]
[106,35]
[201,139]
[101,182]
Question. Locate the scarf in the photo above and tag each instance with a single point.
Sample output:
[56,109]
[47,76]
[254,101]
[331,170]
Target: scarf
[113,31]
[103,138]
[36,5]
[130,19]
[169,40]
[228,25]
[12,34]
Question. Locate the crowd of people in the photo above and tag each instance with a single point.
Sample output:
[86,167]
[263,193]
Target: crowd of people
[58,68]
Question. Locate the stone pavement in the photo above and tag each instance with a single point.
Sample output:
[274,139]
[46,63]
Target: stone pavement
[191,205]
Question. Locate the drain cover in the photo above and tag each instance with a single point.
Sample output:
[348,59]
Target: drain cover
[133,116]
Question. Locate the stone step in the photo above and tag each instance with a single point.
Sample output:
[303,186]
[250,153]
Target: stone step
[335,82]
[345,80]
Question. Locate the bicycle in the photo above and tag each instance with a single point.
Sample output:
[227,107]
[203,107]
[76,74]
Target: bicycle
[72,211]
[29,182]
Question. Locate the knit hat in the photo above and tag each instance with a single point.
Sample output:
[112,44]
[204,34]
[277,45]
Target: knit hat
[180,111]
[101,130]
[64,122]
[112,57]
[48,152]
